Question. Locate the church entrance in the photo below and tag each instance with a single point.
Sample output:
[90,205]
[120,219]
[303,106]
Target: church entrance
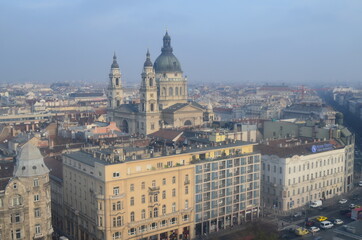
[124,126]
[188,123]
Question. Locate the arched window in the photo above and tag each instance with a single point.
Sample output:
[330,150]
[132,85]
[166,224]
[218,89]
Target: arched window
[155,212]
[163,209]
[164,93]
[118,103]
[152,107]
[176,91]
[181,91]
[151,82]
[170,91]
[117,81]
[132,218]
[143,214]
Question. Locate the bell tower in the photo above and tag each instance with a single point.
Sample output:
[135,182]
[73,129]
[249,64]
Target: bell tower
[148,88]
[148,107]
[115,91]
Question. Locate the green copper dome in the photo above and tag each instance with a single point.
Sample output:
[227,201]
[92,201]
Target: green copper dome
[167,62]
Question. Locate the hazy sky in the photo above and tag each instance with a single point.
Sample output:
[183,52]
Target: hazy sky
[215,41]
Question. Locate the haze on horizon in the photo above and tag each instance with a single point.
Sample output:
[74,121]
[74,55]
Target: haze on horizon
[215,41]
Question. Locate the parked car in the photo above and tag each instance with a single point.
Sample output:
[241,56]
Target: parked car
[342,201]
[338,221]
[321,218]
[298,214]
[314,229]
[344,211]
[353,206]
[301,231]
[326,224]
[309,223]
[316,203]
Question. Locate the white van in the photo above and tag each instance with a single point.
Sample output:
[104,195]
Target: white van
[326,224]
[316,203]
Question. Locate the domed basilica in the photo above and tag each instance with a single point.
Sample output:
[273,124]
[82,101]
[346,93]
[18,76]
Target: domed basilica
[163,97]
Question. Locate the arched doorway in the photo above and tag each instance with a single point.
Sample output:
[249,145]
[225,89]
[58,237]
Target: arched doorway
[124,126]
[188,123]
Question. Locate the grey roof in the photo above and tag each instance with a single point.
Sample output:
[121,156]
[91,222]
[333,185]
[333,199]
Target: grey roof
[178,106]
[30,162]
[131,107]
[167,62]
[148,62]
[114,64]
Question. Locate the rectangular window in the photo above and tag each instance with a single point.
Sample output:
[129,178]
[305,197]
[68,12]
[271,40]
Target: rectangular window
[115,190]
[37,212]
[116,174]
[37,229]
[36,198]
[17,217]
[36,182]
[18,233]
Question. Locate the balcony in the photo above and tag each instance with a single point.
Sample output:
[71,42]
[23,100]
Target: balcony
[186,182]
[38,235]
[118,196]
[154,189]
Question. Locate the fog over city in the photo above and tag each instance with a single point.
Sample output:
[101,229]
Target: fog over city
[300,42]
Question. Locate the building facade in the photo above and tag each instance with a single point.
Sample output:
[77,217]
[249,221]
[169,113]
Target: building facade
[25,202]
[296,173]
[163,97]
[227,190]
[140,194]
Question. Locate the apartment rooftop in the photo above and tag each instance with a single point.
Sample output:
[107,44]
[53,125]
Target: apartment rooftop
[113,155]
[285,148]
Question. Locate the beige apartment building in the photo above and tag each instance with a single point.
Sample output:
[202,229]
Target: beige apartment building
[25,208]
[135,193]
[296,172]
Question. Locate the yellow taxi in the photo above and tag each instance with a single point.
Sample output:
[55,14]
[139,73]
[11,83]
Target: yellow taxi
[301,231]
[321,218]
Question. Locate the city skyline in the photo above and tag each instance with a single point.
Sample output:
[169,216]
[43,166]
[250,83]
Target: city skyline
[291,42]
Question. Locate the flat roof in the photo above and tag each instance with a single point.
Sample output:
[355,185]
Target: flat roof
[87,157]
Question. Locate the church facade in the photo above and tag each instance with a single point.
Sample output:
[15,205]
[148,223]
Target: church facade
[163,97]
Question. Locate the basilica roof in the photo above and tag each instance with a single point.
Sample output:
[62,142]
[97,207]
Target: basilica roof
[167,62]
[178,106]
